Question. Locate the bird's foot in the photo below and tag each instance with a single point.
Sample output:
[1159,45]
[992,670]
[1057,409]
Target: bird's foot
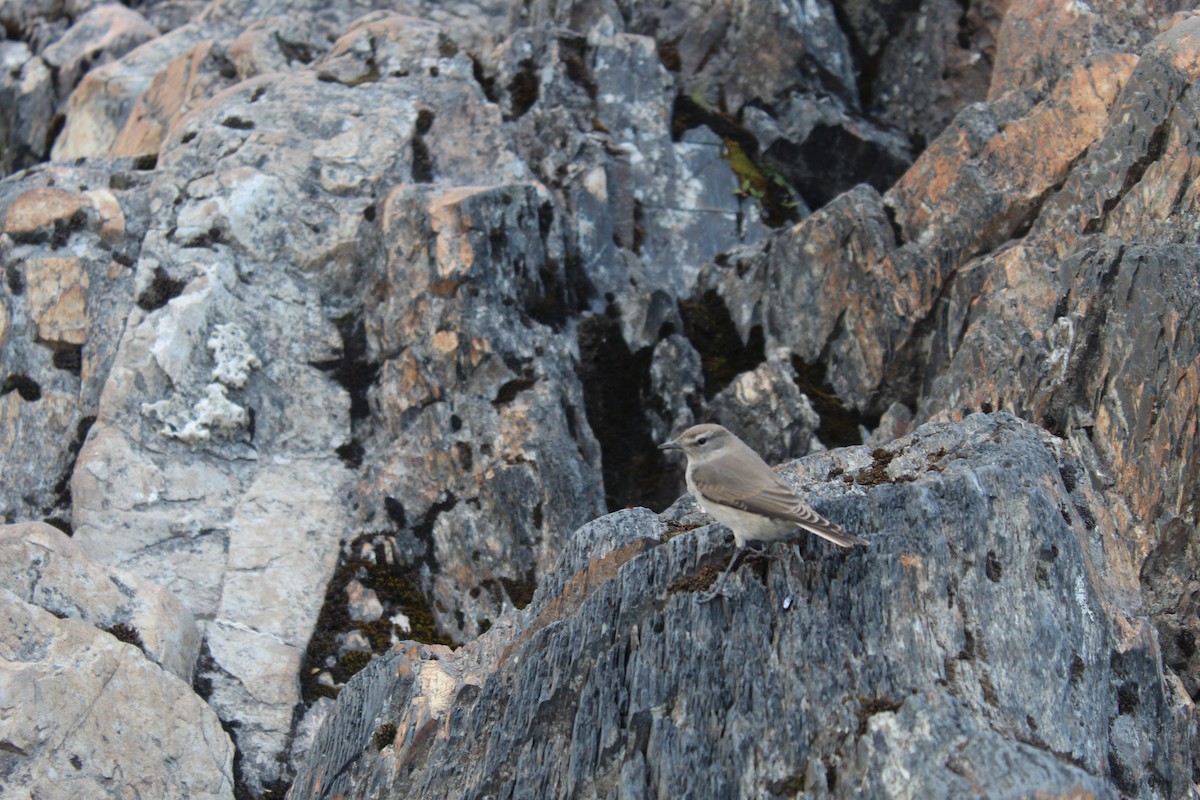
[762,552]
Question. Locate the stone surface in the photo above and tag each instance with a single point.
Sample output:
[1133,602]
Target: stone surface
[837,267]
[27,97]
[824,671]
[599,130]
[920,63]
[41,566]
[226,421]
[352,314]
[1041,39]
[823,148]
[767,408]
[223,487]
[1106,358]
[97,110]
[190,78]
[103,34]
[987,162]
[86,715]
[480,313]
[68,289]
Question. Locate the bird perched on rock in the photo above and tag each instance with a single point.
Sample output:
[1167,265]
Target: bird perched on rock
[738,489]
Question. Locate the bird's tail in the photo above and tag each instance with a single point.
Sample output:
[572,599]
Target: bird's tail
[814,523]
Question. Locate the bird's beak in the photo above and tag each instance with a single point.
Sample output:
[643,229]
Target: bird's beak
[671,445]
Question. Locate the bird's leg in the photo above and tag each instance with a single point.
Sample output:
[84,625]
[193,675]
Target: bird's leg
[737,553]
[764,551]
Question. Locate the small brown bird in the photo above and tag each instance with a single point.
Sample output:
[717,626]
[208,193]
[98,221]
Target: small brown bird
[738,489]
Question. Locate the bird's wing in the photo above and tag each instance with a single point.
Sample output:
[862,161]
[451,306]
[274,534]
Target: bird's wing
[810,520]
[762,492]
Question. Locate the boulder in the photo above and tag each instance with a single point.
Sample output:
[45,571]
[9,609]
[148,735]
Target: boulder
[978,641]
[67,256]
[88,715]
[27,97]
[103,34]
[42,566]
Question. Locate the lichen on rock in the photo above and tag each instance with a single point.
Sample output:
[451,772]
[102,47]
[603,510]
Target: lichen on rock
[193,424]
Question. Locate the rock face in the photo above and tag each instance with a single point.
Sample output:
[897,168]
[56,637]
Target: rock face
[137,729]
[334,321]
[41,566]
[877,672]
[95,681]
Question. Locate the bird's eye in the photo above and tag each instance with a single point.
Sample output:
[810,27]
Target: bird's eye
[702,440]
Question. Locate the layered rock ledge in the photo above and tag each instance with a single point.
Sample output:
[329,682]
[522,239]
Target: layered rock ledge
[982,645]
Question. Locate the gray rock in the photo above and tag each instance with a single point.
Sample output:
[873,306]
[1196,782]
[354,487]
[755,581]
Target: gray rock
[734,50]
[69,290]
[764,406]
[894,423]
[191,476]
[43,567]
[85,715]
[213,466]
[365,301]
[27,97]
[97,109]
[218,461]
[590,115]
[822,148]
[1038,43]
[829,268]
[1104,361]
[677,378]
[450,469]
[976,642]
[767,410]
[103,34]
[933,59]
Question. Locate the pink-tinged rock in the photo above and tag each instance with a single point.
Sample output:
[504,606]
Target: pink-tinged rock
[97,109]
[40,209]
[187,81]
[57,293]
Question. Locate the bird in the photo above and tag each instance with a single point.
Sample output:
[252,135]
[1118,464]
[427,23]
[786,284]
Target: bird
[734,486]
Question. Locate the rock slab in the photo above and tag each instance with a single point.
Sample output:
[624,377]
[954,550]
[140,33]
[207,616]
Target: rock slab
[975,643]
[85,715]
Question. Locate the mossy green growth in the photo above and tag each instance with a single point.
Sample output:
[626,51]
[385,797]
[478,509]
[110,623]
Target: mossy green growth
[762,183]
[752,180]
[398,591]
[127,634]
[351,664]
[788,787]
[756,178]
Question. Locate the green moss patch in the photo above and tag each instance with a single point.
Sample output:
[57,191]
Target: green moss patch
[398,590]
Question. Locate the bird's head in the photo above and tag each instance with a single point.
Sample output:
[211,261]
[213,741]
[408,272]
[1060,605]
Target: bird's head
[699,442]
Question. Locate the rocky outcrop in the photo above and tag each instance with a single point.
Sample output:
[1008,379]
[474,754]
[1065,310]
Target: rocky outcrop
[86,715]
[41,566]
[881,671]
[63,319]
[95,681]
[1109,361]
[334,321]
